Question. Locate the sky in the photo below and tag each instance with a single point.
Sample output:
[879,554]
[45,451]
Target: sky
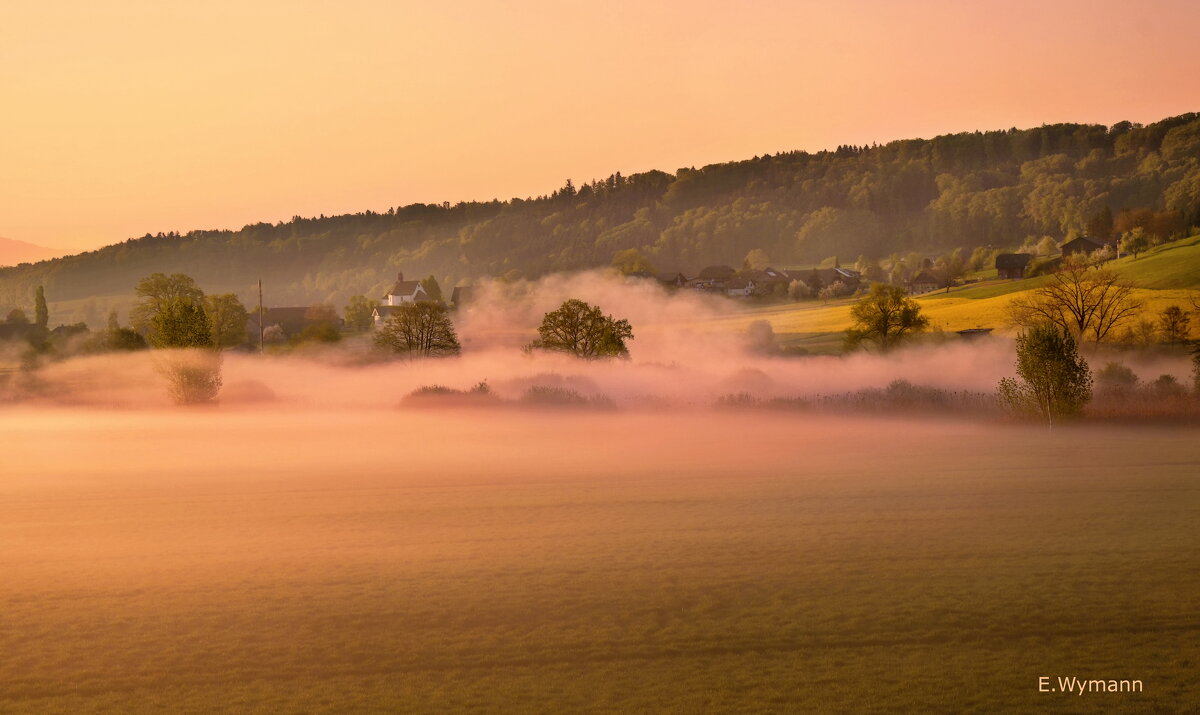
[122,118]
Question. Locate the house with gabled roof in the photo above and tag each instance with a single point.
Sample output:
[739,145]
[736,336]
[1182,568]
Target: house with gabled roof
[924,282]
[1086,245]
[403,291]
[1012,265]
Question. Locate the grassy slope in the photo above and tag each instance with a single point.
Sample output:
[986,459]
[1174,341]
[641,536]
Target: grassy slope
[1165,276]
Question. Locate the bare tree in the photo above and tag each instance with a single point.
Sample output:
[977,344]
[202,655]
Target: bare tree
[420,329]
[1080,299]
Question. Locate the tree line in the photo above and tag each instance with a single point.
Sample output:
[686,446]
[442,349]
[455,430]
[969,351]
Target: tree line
[975,190]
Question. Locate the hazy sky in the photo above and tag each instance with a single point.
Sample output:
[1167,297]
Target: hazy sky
[121,118]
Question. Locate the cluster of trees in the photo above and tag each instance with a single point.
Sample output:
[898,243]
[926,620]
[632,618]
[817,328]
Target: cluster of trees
[970,190]
[173,312]
[424,329]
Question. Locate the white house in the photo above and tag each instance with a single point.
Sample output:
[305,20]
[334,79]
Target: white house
[405,292]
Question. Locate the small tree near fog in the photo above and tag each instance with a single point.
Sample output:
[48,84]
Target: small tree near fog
[760,338]
[1053,381]
[885,317]
[172,315]
[420,329]
[359,313]
[583,330]
[1174,324]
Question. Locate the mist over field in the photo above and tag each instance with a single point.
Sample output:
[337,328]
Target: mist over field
[339,558]
[686,353]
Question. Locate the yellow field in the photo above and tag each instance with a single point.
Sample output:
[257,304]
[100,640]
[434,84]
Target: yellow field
[1170,274]
[424,562]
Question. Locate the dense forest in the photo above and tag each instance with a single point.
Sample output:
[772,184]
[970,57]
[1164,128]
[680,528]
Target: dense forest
[997,188]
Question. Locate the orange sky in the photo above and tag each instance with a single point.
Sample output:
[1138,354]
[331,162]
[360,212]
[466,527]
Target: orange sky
[120,118]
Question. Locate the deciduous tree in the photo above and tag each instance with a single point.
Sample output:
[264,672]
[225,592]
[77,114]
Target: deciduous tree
[885,316]
[1080,299]
[631,260]
[180,323]
[1053,380]
[419,329]
[583,330]
[227,318]
[1174,323]
[155,291]
[358,313]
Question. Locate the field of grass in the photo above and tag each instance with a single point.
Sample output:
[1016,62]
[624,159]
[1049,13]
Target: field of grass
[1166,275]
[371,562]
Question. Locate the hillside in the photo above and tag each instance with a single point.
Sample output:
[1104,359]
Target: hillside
[1166,275]
[13,252]
[966,190]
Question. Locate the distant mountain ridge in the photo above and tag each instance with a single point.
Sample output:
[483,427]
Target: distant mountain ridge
[972,189]
[14,252]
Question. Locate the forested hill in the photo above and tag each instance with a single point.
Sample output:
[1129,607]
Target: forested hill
[960,190]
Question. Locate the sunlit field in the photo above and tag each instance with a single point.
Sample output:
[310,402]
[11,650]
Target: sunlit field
[389,560]
[1165,275]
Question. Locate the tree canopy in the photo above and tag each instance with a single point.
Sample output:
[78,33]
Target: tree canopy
[968,190]
[1053,380]
[154,293]
[180,323]
[421,329]
[884,317]
[359,313]
[227,318]
[583,330]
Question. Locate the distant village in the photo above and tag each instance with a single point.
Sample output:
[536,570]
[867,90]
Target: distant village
[767,283]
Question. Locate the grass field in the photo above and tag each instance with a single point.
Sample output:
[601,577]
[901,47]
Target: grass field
[387,561]
[1166,275]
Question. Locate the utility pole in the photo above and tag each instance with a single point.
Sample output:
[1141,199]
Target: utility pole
[260,318]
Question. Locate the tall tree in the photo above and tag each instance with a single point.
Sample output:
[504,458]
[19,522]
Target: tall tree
[359,313]
[432,289]
[1053,380]
[228,318]
[154,292]
[40,310]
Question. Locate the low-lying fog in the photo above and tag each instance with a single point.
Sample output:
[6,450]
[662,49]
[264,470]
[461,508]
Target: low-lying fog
[689,350]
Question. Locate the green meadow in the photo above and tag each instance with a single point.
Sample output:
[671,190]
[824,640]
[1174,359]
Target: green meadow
[1165,275]
[276,561]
